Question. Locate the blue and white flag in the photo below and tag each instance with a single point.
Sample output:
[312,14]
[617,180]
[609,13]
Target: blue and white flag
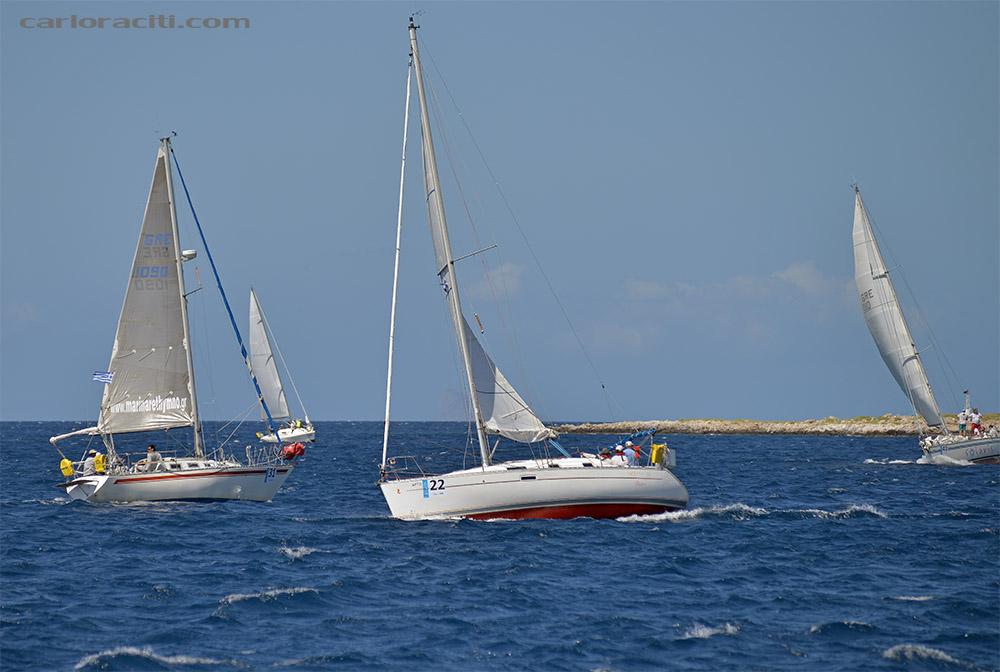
[104,376]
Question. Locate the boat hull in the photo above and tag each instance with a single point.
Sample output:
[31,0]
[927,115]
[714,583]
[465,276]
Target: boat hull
[552,489]
[292,435]
[255,484]
[978,451]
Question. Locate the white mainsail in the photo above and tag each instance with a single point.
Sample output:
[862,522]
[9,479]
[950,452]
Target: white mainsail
[885,319]
[504,411]
[153,386]
[263,364]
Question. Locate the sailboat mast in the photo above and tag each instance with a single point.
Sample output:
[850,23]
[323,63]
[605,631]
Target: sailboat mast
[198,447]
[435,203]
[395,267]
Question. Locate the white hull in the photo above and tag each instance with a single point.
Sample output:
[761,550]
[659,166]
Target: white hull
[561,488]
[256,484]
[979,451]
[292,435]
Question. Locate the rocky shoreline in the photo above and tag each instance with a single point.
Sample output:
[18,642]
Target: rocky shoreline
[884,425]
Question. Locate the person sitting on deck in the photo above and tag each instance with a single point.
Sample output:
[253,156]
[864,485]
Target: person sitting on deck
[631,455]
[153,458]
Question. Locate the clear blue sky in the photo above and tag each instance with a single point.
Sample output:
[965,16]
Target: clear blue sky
[682,170]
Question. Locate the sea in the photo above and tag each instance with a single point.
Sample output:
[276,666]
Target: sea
[795,553]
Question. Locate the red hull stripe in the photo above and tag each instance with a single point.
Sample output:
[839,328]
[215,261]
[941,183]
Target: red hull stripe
[167,477]
[575,511]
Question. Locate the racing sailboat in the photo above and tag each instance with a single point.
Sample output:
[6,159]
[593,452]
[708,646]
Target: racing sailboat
[884,317]
[150,384]
[545,487]
[264,366]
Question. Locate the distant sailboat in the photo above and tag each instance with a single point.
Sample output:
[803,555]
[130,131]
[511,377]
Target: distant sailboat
[265,367]
[884,317]
[150,383]
[562,487]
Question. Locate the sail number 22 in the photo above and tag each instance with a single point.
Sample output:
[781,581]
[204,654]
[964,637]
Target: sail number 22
[432,485]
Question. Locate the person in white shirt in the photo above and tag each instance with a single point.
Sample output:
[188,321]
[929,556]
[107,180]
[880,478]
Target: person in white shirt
[975,420]
[962,419]
[88,464]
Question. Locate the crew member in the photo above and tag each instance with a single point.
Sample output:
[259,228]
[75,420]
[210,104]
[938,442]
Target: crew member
[88,464]
[153,458]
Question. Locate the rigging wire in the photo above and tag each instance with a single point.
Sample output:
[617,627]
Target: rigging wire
[607,394]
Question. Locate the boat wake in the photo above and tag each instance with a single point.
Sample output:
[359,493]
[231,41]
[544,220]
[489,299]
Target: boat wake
[701,631]
[944,461]
[888,461]
[913,598]
[742,512]
[125,654]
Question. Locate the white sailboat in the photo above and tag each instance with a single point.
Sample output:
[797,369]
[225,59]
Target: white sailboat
[562,487]
[264,366]
[150,383]
[884,317]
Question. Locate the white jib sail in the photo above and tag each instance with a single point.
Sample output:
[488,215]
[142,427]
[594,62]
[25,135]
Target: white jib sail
[885,318]
[263,364]
[504,411]
[151,387]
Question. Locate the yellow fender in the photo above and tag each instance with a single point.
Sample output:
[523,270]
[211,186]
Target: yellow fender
[99,463]
[66,467]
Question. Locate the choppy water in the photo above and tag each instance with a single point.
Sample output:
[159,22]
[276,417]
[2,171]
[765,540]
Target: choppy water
[795,553]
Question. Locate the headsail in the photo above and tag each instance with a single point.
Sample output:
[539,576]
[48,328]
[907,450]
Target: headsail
[504,411]
[885,320]
[263,364]
[152,384]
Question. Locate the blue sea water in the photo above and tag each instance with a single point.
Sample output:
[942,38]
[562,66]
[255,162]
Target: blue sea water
[819,553]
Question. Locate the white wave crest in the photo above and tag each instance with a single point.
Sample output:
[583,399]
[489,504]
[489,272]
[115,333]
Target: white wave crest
[264,595]
[917,652]
[850,512]
[850,625]
[740,511]
[701,631]
[148,654]
[296,553]
[914,598]
[888,461]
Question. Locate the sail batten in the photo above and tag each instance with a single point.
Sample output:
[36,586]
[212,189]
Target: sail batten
[264,365]
[151,390]
[886,322]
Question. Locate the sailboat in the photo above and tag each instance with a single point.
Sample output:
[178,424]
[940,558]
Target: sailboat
[547,487]
[150,384]
[888,326]
[263,365]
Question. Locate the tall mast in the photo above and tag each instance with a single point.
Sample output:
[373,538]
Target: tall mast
[395,267]
[439,227]
[198,448]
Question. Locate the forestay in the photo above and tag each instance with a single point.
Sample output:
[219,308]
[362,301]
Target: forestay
[885,319]
[504,411]
[263,364]
[151,387]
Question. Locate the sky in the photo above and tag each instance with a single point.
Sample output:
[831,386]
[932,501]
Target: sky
[681,172]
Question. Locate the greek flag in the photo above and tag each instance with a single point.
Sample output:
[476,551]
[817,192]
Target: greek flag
[103,376]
